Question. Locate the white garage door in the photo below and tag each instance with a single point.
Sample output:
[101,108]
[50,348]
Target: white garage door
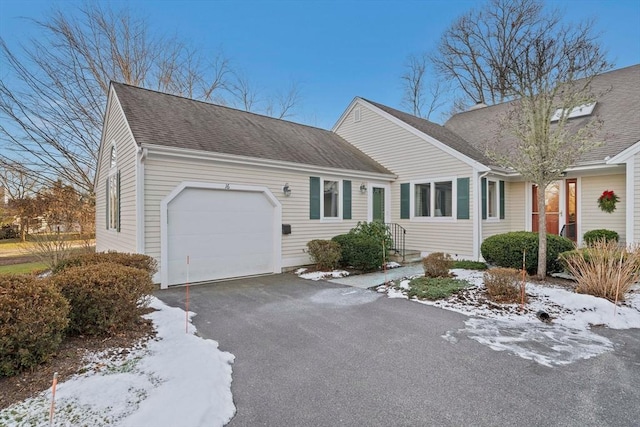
[225,233]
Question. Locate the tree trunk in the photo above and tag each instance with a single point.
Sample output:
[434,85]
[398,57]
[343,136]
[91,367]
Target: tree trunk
[542,234]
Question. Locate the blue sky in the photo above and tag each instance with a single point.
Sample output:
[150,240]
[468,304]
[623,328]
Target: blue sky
[335,49]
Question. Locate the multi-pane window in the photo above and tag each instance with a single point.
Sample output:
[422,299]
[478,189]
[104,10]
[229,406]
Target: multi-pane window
[492,199]
[422,200]
[433,199]
[331,199]
[113,193]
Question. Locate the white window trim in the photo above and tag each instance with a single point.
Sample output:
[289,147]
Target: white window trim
[340,200]
[432,218]
[497,211]
[113,173]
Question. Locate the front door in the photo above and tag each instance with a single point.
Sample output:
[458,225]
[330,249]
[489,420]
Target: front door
[378,204]
[571,222]
[552,210]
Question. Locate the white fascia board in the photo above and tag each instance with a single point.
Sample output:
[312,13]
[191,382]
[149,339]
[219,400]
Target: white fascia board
[255,161]
[428,138]
[345,113]
[102,135]
[625,155]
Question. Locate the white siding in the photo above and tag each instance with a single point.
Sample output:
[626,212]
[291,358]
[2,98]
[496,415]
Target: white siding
[412,158]
[164,173]
[592,217]
[117,131]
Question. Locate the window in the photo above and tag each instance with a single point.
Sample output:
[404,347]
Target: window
[422,200]
[112,193]
[331,199]
[433,199]
[444,198]
[492,199]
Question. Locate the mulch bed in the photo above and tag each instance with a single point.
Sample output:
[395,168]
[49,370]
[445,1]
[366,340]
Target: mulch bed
[18,259]
[67,362]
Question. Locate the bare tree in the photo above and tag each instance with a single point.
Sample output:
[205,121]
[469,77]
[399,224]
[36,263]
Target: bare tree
[474,52]
[421,96]
[549,72]
[283,104]
[20,189]
[53,109]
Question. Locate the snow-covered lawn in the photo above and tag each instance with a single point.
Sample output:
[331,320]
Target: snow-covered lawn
[177,379]
[505,327]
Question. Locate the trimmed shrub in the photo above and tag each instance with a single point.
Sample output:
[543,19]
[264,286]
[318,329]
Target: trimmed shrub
[469,265]
[592,236]
[140,261]
[604,269]
[505,250]
[375,230]
[437,264]
[503,285]
[359,252]
[324,253]
[105,298]
[433,288]
[33,317]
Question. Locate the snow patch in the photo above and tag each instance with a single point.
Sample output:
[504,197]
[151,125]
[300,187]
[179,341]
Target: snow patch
[318,275]
[176,379]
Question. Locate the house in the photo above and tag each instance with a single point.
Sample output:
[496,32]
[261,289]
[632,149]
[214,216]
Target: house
[212,192]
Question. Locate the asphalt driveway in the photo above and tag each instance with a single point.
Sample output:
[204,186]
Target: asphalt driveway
[321,354]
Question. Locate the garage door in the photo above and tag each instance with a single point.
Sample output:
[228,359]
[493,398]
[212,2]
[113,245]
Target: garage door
[225,233]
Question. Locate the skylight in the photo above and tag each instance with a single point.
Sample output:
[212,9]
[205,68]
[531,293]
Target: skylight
[579,111]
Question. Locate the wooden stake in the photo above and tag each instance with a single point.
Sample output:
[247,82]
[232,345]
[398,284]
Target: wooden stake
[522,286]
[53,398]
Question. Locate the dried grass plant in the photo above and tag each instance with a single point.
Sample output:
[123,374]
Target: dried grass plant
[605,269]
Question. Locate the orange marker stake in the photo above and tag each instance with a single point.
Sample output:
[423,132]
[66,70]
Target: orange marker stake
[186,320]
[53,398]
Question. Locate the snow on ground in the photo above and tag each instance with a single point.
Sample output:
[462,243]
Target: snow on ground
[504,327]
[319,275]
[176,379]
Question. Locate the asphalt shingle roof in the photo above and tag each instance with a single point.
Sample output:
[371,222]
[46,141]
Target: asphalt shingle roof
[168,120]
[618,106]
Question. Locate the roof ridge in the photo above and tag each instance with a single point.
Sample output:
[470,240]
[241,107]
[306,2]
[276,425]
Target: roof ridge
[216,105]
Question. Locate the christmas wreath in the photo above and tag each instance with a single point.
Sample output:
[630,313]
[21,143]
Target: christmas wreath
[607,201]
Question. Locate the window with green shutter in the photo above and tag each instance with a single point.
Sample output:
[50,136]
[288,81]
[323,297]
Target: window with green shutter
[314,197]
[463,198]
[405,200]
[346,199]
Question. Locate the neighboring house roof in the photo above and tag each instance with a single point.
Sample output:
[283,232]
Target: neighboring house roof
[438,132]
[161,119]
[617,105]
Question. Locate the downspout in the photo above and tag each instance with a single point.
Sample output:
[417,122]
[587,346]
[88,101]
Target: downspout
[477,209]
[141,156]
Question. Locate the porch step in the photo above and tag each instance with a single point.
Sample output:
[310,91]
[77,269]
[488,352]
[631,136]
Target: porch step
[409,256]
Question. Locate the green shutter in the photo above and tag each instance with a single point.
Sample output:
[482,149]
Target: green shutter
[107,202]
[483,189]
[118,198]
[501,199]
[346,199]
[463,198]
[314,197]
[405,200]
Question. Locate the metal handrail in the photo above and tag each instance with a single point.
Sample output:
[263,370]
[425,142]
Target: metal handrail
[398,236]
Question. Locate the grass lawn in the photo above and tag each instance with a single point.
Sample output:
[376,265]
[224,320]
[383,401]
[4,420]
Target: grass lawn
[10,244]
[28,267]
[433,288]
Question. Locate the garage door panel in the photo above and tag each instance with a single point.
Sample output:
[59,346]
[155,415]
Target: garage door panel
[225,233]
